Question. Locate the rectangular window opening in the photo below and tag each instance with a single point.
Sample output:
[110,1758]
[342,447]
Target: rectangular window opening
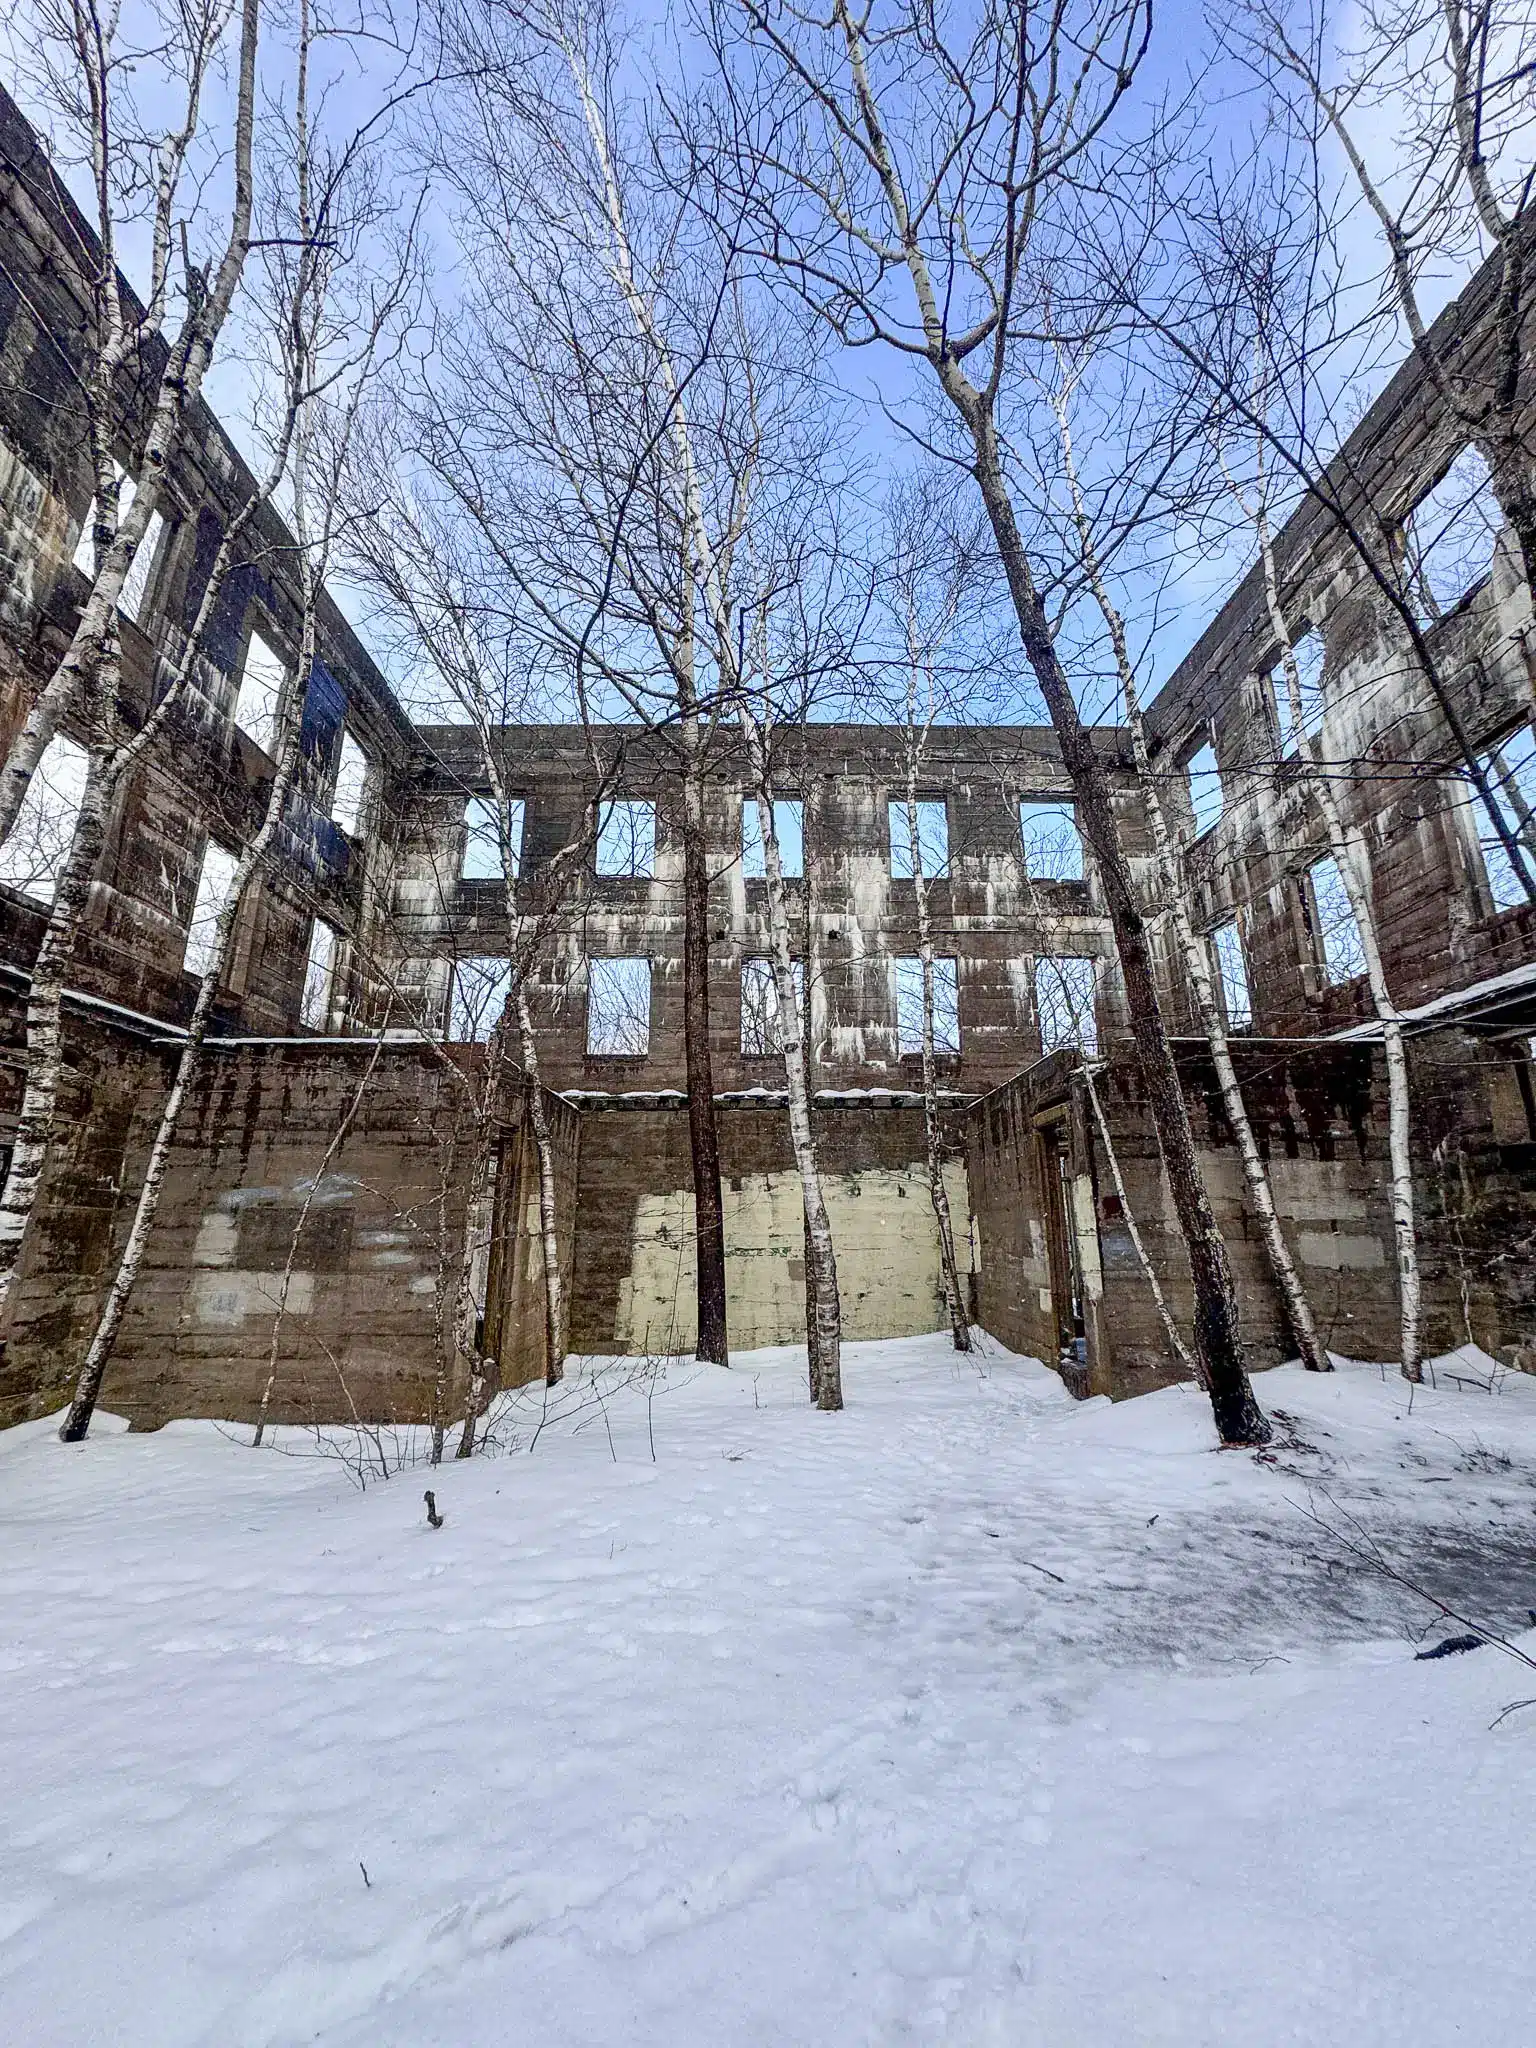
[33,858]
[1206,797]
[481,986]
[214,883]
[1511,771]
[788,830]
[626,838]
[493,839]
[1340,953]
[909,1005]
[619,1008]
[130,599]
[261,688]
[760,1007]
[351,785]
[319,972]
[1232,976]
[932,839]
[84,557]
[1450,537]
[1053,846]
[1065,987]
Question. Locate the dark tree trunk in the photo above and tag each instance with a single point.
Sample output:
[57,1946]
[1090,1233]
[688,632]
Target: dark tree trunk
[703,1132]
[1239,1419]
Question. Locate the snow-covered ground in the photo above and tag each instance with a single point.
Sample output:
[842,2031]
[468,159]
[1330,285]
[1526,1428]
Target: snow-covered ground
[966,1716]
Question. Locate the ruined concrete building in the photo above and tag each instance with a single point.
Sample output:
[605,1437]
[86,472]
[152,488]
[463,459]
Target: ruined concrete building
[382,930]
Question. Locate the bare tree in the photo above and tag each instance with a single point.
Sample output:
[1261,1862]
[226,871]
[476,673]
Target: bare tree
[636,301]
[879,157]
[930,571]
[1350,852]
[1192,947]
[1271,333]
[104,90]
[87,685]
[553,432]
[329,341]
[436,591]
[823,1300]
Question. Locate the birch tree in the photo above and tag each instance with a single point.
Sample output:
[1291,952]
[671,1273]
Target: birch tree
[637,313]
[823,1299]
[329,339]
[88,682]
[554,433]
[930,573]
[1347,843]
[1192,948]
[744,635]
[905,173]
[435,581]
[105,75]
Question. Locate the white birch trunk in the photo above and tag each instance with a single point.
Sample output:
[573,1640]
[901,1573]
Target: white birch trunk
[441,1338]
[544,1147]
[1197,965]
[1347,845]
[464,1305]
[179,386]
[824,1322]
[1192,948]
[312,554]
[44,1025]
[959,1322]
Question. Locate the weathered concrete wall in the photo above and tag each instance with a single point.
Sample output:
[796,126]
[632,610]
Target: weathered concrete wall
[850,916]
[207,777]
[374,1250]
[1475,1132]
[635,1253]
[1318,1112]
[374,1263]
[98,1152]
